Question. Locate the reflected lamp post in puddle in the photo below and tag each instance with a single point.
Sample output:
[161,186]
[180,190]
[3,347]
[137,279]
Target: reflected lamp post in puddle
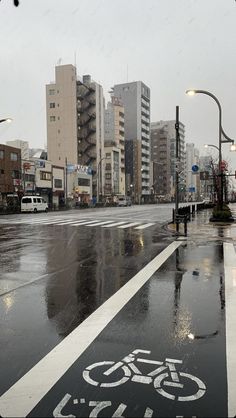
[220,134]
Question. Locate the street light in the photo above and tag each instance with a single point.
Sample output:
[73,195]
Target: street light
[221,132]
[210,145]
[8,120]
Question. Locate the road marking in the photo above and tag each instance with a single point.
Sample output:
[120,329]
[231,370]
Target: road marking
[129,225]
[85,223]
[70,222]
[25,394]
[230,311]
[144,226]
[101,223]
[114,224]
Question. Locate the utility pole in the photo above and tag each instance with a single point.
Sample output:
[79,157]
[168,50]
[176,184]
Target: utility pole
[66,181]
[177,167]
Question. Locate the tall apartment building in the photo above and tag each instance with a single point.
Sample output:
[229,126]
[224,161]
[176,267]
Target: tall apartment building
[115,145]
[169,128]
[23,145]
[135,97]
[160,160]
[75,120]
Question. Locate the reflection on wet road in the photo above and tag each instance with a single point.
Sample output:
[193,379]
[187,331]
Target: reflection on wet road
[53,278]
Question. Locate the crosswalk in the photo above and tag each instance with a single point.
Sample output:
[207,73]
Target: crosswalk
[75,222]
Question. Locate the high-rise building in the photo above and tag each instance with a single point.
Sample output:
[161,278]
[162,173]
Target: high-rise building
[135,97]
[160,161]
[75,120]
[167,129]
[115,141]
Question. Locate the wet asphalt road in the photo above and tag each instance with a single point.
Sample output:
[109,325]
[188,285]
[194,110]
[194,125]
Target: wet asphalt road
[54,276]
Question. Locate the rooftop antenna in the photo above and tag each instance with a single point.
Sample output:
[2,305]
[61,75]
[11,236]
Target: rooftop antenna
[75,58]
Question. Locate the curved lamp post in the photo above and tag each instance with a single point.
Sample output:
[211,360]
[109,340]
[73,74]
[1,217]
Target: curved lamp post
[221,132]
[8,120]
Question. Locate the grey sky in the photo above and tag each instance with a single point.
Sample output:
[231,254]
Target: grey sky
[171,45]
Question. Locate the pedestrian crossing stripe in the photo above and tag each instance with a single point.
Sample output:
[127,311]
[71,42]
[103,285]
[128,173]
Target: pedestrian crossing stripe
[59,221]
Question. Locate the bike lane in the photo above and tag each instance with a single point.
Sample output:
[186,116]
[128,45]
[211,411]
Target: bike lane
[174,325]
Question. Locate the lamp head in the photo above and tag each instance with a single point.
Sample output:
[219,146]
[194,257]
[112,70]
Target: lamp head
[206,145]
[233,147]
[190,92]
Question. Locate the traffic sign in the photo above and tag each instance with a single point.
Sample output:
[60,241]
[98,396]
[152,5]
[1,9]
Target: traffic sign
[195,168]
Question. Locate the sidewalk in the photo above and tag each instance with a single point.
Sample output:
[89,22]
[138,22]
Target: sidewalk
[200,229]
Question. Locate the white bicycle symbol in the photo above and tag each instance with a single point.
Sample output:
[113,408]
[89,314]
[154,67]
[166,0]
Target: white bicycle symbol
[164,376]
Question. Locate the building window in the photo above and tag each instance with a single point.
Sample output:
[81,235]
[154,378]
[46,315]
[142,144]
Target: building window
[29,177]
[52,118]
[1,154]
[52,105]
[15,174]
[58,118]
[108,176]
[58,131]
[13,156]
[108,166]
[51,92]
[58,183]
[44,175]
[1,171]
[83,182]
[108,155]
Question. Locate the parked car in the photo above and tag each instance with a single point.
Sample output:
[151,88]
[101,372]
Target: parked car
[123,201]
[33,204]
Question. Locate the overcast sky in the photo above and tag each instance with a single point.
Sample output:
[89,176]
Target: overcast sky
[171,45]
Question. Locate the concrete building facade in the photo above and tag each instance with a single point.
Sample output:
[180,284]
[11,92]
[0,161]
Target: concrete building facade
[168,129]
[23,145]
[115,137]
[161,162]
[135,97]
[75,120]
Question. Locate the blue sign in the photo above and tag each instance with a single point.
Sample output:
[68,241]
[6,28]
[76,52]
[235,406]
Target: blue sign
[191,189]
[195,168]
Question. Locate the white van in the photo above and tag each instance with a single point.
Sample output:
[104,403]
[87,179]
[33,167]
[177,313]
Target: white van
[33,204]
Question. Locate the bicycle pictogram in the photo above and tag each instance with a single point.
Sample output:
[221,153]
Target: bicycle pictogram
[165,377]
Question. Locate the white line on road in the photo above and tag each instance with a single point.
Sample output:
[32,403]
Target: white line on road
[85,223]
[114,224]
[230,310]
[22,397]
[128,225]
[144,226]
[101,223]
